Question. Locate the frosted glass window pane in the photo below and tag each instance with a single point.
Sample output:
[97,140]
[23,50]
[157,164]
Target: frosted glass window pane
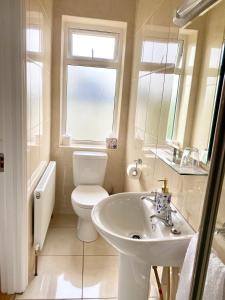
[34,92]
[142,104]
[172,53]
[93,46]
[214,60]
[173,107]
[191,56]
[33,38]
[90,102]
[147,51]
[159,52]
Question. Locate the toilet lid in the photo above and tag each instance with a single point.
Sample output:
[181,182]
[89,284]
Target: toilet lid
[88,195]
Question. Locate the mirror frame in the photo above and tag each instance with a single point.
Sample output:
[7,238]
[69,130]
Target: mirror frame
[217,103]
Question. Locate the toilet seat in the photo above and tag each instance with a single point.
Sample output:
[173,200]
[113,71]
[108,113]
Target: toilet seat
[86,196]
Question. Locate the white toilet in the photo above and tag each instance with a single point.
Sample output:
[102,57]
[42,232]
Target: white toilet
[88,177]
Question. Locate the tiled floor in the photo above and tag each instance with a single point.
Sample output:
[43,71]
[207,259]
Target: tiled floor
[71,269]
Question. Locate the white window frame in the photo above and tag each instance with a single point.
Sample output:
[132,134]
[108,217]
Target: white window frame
[94,33]
[119,32]
[158,67]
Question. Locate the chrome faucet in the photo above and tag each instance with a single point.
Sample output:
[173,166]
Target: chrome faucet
[161,204]
[150,197]
[165,216]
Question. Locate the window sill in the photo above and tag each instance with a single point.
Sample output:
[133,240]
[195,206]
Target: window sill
[85,147]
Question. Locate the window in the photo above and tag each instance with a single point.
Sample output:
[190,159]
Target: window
[34,72]
[93,45]
[33,38]
[159,52]
[92,68]
[160,59]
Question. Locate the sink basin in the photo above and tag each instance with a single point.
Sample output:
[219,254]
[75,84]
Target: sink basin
[121,216]
[124,221]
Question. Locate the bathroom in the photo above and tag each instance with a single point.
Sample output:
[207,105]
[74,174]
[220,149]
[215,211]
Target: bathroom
[154,91]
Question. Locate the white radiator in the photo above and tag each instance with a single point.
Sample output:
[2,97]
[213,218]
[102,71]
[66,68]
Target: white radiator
[44,200]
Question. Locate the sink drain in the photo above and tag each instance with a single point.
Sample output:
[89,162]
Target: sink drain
[175,231]
[135,236]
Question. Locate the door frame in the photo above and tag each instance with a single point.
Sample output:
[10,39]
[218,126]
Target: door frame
[13,143]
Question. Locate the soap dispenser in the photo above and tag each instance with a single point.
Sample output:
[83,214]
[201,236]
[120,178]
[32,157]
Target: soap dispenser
[164,198]
[165,189]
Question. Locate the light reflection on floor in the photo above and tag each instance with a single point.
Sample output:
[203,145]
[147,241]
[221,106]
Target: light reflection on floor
[70,269]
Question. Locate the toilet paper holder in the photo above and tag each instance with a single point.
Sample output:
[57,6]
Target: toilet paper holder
[137,163]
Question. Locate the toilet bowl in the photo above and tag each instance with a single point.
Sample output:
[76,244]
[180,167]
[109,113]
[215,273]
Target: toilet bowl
[83,198]
[88,174]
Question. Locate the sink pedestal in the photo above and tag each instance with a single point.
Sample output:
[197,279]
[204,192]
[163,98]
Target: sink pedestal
[134,278]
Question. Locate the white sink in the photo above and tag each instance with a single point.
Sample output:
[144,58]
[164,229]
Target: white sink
[118,218]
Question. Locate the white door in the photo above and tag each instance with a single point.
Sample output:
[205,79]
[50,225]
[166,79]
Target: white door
[13,201]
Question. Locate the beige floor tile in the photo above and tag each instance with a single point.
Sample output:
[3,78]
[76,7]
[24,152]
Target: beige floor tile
[99,247]
[59,277]
[62,241]
[100,277]
[65,220]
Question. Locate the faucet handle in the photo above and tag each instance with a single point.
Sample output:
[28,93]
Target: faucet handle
[148,197]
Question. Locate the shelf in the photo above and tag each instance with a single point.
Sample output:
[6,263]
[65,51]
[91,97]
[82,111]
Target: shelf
[166,155]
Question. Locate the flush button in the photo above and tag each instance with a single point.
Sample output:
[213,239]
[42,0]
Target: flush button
[1,162]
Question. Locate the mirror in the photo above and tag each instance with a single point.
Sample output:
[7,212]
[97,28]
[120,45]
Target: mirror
[197,83]
[179,72]
[155,56]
